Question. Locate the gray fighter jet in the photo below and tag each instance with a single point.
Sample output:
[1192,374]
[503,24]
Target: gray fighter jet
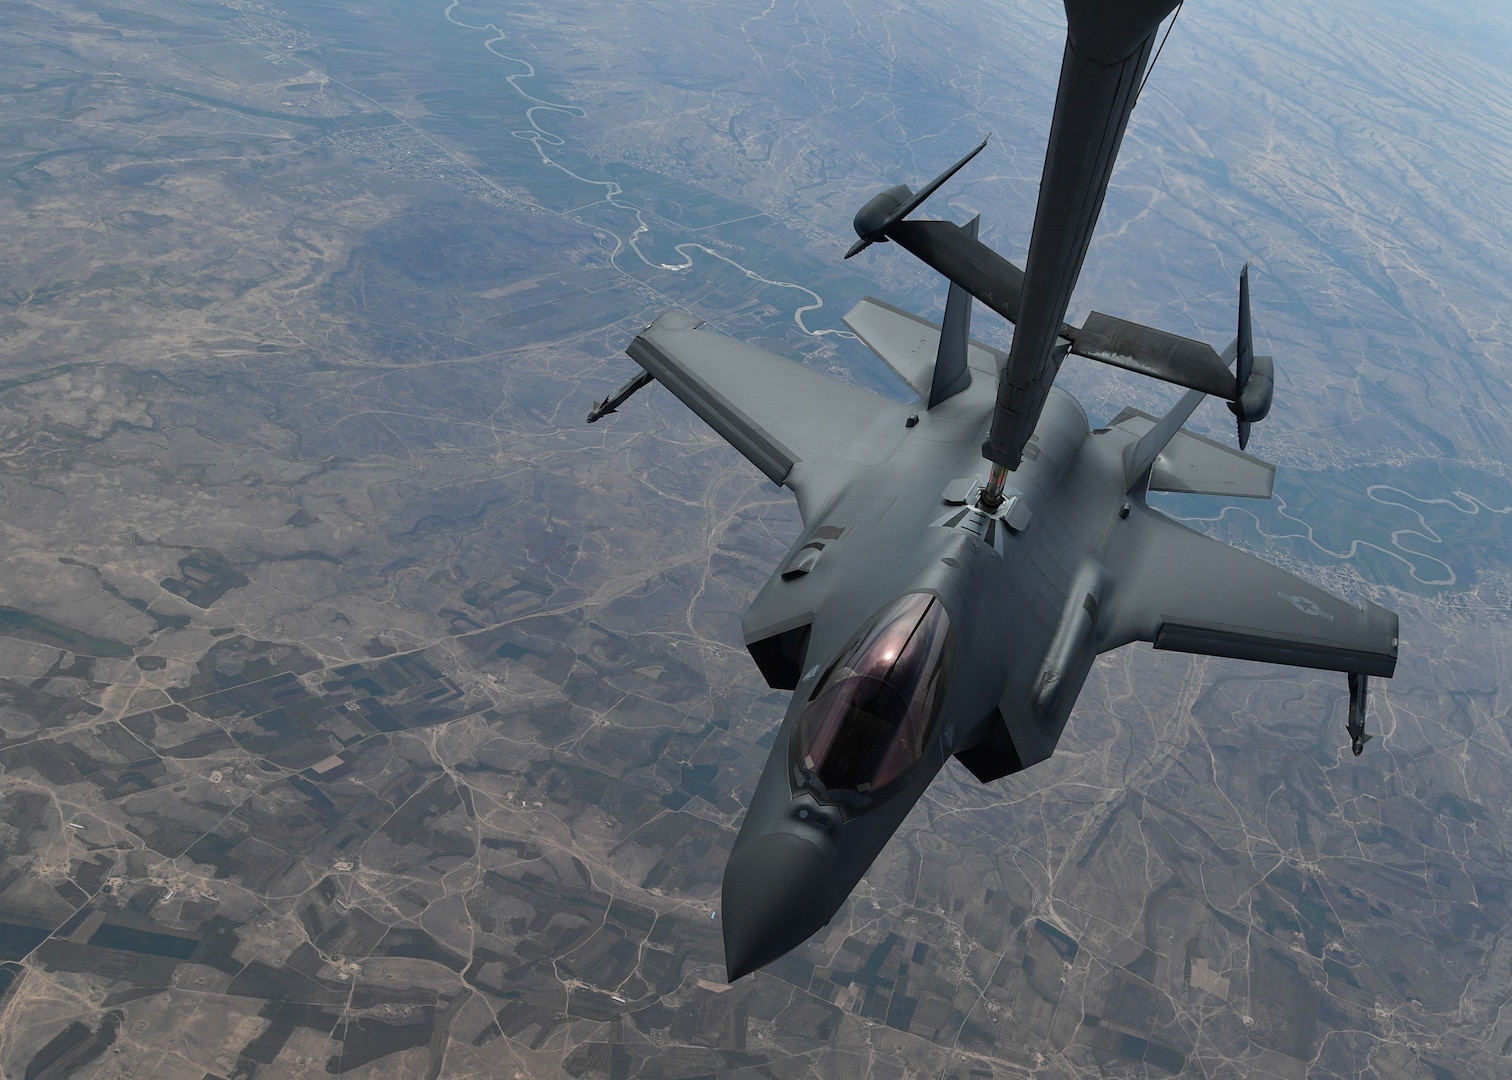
[948,596]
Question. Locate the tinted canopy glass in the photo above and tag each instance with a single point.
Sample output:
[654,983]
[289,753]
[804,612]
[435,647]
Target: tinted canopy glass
[870,715]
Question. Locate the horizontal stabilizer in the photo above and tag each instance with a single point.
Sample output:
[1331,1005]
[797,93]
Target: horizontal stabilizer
[1145,350]
[910,344]
[1192,464]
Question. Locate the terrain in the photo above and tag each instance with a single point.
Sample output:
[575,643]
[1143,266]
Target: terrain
[362,711]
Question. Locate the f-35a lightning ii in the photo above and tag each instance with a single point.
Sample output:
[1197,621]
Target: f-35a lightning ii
[948,596]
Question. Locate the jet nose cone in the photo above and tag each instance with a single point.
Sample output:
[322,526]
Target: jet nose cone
[778,890]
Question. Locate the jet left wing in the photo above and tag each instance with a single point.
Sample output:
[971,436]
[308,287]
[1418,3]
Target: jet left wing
[778,413]
[1187,592]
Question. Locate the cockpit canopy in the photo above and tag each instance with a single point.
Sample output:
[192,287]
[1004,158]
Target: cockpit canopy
[870,715]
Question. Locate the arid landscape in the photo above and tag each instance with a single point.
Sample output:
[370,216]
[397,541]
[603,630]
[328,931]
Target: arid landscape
[363,711]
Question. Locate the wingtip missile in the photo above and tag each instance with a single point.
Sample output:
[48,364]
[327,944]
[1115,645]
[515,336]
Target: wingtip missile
[601,409]
[619,397]
[1359,686]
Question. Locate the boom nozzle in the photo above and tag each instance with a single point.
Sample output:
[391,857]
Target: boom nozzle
[619,397]
[990,498]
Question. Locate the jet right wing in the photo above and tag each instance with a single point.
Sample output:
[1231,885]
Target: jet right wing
[776,412]
[1186,592]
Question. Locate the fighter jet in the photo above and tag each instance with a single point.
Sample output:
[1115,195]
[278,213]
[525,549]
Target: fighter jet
[966,556]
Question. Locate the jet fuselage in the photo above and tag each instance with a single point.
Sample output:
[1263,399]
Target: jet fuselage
[804,844]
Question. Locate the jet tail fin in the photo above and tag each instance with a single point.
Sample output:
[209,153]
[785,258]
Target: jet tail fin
[910,344]
[1195,465]
[1141,459]
[951,375]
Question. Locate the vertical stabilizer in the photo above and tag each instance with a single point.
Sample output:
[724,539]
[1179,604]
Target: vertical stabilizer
[1143,454]
[951,375]
[1141,459]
